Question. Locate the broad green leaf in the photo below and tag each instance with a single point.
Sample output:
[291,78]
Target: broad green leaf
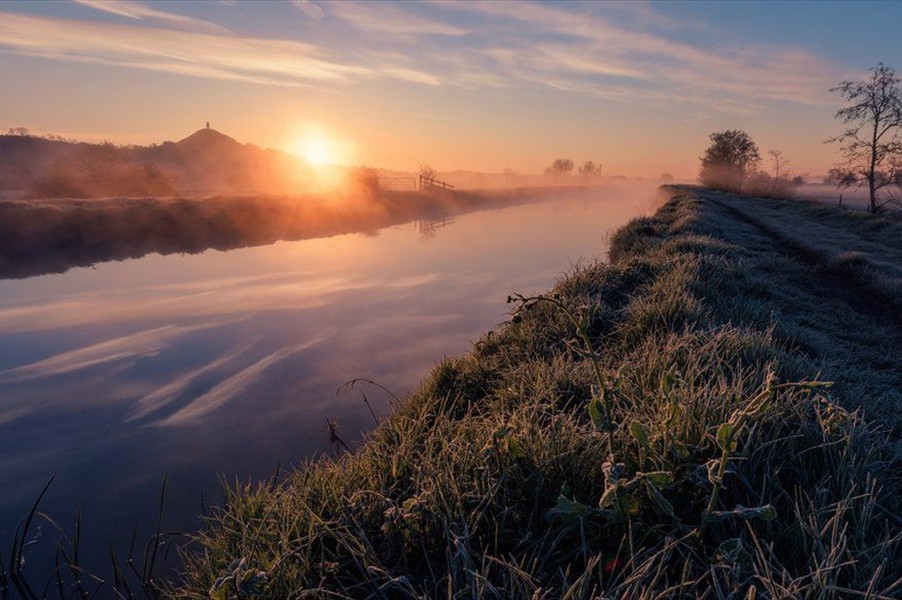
[667,381]
[659,478]
[725,437]
[515,448]
[639,432]
[567,510]
[595,412]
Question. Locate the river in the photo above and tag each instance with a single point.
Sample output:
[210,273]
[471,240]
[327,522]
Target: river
[227,364]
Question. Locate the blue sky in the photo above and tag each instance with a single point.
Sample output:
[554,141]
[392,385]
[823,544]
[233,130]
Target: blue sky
[476,85]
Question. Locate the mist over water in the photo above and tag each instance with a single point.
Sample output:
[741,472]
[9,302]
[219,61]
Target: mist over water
[227,363]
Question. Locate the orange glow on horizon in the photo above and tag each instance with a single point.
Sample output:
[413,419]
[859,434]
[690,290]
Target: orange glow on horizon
[319,147]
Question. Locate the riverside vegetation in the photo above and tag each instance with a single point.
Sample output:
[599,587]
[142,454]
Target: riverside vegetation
[660,425]
[85,232]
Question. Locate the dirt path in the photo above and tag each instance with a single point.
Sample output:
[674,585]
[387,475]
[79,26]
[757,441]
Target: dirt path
[848,323]
[834,280]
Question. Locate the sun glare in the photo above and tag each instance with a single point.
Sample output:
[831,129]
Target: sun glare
[318,148]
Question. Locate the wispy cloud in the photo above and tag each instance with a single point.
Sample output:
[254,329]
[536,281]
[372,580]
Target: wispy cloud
[398,21]
[623,53]
[586,52]
[144,343]
[230,298]
[233,387]
[142,12]
[253,60]
[309,8]
[164,395]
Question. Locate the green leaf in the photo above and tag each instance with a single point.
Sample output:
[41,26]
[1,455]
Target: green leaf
[515,448]
[596,413]
[567,510]
[501,433]
[638,431]
[765,513]
[733,551]
[631,505]
[667,381]
[658,478]
[680,448]
[219,591]
[725,437]
[608,497]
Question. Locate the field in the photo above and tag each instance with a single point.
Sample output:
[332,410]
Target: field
[713,413]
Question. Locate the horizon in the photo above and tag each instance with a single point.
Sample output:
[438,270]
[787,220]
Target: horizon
[635,87]
[52,137]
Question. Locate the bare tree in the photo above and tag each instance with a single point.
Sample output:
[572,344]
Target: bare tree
[560,167]
[427,172]
[729,160]
[779,163]
[871,145]
[781,184]
[589,170]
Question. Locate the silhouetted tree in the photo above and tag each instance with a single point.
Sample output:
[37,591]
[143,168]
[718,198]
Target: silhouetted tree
[560,167]
[871,145]
[428,172]
[21,131]
[840,177]
[729,160]
[666,178]
[779,163]
[589,170]
[781,184]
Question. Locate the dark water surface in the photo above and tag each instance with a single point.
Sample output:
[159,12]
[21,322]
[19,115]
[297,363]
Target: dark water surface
[225,364]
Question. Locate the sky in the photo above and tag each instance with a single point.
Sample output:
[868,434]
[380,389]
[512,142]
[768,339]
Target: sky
[484,86]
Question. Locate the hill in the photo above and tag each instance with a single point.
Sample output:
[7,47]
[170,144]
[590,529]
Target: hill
[205,162]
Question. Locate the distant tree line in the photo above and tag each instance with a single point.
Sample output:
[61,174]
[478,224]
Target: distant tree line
[733,163]
[562,167]
[871,146]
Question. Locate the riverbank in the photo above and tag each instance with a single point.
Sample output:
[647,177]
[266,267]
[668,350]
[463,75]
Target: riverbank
[52,236]
[659,424]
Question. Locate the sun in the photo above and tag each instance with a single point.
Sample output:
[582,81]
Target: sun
[318,148]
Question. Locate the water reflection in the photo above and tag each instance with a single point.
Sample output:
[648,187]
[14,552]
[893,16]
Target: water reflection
[52,236]
[228,362]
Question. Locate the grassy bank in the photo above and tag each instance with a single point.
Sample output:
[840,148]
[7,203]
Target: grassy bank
[657,426]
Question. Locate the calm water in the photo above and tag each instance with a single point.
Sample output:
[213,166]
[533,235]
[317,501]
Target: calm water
[227,363]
